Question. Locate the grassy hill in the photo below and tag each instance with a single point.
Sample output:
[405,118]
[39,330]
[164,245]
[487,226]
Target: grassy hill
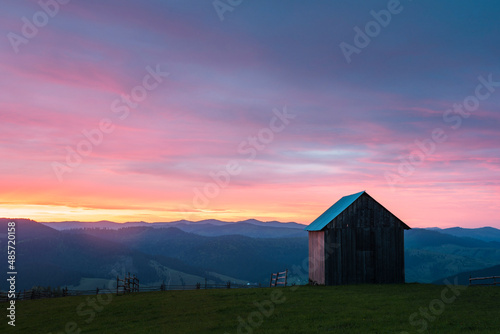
[304,309]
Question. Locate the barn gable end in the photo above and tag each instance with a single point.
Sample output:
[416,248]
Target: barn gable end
[357,240]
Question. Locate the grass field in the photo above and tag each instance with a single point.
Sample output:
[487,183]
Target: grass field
[412,308]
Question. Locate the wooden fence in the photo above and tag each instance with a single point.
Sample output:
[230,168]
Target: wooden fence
[39,294]
[127,285]
[278,279]
[42,294]
[494,280]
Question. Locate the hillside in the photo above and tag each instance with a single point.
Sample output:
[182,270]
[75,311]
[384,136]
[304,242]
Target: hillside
[246,251]
[308,309]
[48,257]
[242,257]
[431,255]
[463,278]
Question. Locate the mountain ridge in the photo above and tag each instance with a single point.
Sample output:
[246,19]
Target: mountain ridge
[248,251]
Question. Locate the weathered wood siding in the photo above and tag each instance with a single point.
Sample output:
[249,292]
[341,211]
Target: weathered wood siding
[363,244]
[317,257]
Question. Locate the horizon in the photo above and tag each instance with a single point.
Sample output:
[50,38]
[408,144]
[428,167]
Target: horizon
[222,221]
[154,111]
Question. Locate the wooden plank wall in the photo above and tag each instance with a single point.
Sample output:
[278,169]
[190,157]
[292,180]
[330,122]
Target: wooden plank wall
[317,257]
[364,244]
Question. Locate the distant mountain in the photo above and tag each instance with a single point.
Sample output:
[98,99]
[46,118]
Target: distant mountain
[45,256]
[250,228]
[242,257]
[242,228]
[26,229]
[432,238]
[103,224]
[430,254]
[482,233]
[185,251]
[274,224]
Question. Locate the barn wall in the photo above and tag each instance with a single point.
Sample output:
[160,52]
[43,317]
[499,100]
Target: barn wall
[401,255]
[364,244]
[316,257]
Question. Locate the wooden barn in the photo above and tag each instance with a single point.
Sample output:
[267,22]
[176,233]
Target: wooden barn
[355,241]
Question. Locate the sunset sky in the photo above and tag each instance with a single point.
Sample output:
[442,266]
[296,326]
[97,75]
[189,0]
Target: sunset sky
[128,110]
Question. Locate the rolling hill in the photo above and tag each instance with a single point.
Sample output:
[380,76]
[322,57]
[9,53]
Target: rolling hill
[430,255]
[190,251]
[242,257]
[211,227]
[48,257]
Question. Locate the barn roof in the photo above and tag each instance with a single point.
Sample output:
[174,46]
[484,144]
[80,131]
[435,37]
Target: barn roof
[335,210]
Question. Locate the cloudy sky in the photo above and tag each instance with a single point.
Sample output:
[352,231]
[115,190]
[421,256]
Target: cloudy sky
[165,110]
